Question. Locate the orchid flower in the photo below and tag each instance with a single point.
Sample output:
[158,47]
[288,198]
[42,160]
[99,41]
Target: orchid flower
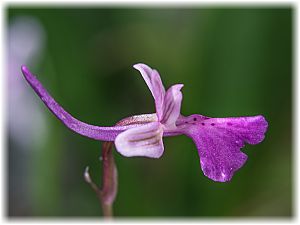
[218,140]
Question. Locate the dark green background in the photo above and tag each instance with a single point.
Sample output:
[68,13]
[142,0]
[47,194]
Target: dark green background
[233,62]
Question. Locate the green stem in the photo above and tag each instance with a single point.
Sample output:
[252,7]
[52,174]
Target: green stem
[107,210]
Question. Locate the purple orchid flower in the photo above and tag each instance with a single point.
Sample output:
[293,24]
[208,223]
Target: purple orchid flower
[218,140]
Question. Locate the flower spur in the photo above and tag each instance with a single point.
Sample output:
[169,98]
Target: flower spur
[218,140]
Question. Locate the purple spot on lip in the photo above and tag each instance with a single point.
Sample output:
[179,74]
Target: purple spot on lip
[195,119]
[203,124]
[212,124]
[229,124]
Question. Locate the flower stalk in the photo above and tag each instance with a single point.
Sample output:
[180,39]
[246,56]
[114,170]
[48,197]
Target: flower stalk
[109,179]
[108,191]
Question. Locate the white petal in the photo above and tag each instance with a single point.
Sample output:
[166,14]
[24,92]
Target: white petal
[172,105]
[153,80]
[145,140]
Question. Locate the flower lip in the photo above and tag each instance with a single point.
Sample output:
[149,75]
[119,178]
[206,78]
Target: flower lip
[219,141]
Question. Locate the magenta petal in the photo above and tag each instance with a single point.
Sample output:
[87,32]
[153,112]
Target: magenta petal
[95,132]
[172,105]
[145,140]
[153,81]
[219,141]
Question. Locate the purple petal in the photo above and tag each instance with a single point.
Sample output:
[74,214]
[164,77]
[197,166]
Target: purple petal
[145,140]
[94,132]
[152,79]
[219,141]
[172,105]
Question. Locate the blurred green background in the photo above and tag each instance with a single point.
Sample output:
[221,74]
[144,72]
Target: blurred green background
[233,62]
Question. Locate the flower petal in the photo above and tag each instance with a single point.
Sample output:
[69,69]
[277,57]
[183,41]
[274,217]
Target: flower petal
[219,141]
[145,140]
[172,105]
[153,80]
[94,132]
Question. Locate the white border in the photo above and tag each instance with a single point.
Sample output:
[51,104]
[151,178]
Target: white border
[155,3]
[2,115]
